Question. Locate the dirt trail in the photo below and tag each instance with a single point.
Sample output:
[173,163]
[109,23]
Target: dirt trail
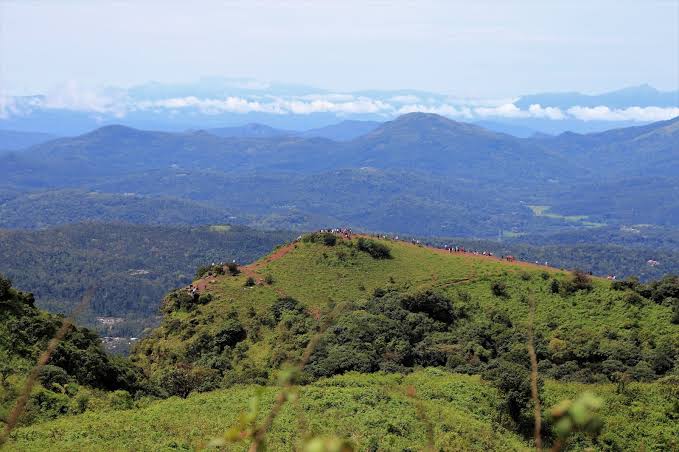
[250,270]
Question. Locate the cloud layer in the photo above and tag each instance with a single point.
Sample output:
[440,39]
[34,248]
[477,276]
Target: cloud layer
[119,103]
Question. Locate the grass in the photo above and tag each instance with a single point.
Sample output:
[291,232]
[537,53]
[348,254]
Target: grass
[371,410]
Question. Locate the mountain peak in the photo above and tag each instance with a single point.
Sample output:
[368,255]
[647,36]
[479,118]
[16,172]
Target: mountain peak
[113,130]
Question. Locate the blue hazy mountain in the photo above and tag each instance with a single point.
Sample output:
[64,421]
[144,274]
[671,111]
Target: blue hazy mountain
[635,96]
[461,178]
[12,140]
[343,131]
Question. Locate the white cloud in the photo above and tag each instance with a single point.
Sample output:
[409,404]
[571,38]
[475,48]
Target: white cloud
[274,106]
[444,110]
[502,111]
[117,103]
[641,114]
[538,111]
[71,96]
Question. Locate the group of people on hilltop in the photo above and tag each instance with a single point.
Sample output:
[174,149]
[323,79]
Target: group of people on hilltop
[344,232]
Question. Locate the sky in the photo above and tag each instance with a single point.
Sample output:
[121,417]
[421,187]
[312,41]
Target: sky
[480,48]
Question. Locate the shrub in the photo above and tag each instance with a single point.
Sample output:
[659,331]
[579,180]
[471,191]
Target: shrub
[579,281]
[325,238]
[250,281]
[120,400]
[232,268]
[286,304]
[79,404]
[513,382]
[375,249]
[51,376]
[499,289]
[269,279]
[525,276]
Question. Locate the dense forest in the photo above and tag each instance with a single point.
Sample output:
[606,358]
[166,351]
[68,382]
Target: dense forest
[130,267]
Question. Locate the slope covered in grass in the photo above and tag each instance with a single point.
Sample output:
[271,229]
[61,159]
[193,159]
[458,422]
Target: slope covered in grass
[372,411]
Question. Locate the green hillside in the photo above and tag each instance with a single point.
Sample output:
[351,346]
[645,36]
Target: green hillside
[373,411]
[78,375]
[395,346]
[583,333]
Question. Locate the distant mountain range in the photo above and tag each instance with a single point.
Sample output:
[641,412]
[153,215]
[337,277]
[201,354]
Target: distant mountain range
[420,174]
[634,96]
[223,105]
[12,140]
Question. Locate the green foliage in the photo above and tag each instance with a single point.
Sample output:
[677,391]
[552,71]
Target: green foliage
[250,281]
[577,416]
[499,289]
[513,383]
[324,238]
[579,280]
[210,270]
[53,377]
[375,249]
[120,400]
[131,267]
[373,410]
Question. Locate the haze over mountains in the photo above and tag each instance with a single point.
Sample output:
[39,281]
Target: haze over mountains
[458,178]
[217,102]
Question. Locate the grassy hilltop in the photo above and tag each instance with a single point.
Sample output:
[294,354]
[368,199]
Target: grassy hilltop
[402,341]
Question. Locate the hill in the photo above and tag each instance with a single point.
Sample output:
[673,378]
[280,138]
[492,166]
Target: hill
[12,140]
[466,180]
[252,130]
[372,313]
[343,131]
[58,207]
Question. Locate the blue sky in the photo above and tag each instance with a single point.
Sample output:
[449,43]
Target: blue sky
[468,49]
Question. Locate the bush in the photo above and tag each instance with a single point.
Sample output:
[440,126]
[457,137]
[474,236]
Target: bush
[250,281]
[555,286]
[513,382]
[53,377]
[375,249]
[499,289]
[286,304]
[120,400]
[232,268]
[269,279]
[579,281]
[326,238]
